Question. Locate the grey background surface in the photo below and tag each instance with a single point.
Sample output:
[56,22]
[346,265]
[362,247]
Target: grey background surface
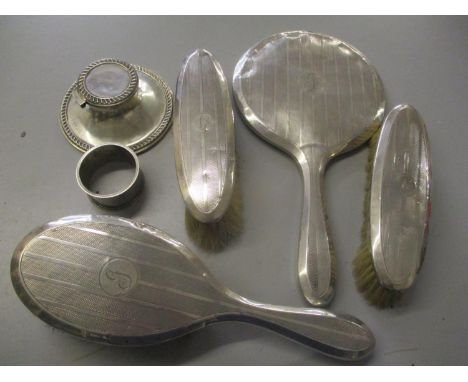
[422,61]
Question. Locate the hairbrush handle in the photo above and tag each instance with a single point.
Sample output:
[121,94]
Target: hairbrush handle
[316,263]
[338,336]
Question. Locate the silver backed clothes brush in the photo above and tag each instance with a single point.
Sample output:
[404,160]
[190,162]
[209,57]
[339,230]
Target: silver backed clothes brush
[205,151]
[397,208]
[314,97]
[115,281]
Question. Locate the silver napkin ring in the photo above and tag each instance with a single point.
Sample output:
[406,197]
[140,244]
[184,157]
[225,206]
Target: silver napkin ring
[95,158]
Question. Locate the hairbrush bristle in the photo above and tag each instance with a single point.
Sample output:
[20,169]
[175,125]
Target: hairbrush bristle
[367,281]
[215,236]
[364,272]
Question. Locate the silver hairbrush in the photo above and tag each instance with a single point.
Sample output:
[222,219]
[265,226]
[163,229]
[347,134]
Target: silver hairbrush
[115,281]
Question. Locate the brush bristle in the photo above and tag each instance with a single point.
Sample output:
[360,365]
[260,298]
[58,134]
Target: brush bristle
[367,281]
[364,272]
[214,237]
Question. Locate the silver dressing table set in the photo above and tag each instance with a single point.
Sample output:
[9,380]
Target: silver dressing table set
[116,281]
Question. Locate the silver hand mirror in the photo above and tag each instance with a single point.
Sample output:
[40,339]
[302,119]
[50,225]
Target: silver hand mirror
[315,97]
[400,199]
[114,281]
